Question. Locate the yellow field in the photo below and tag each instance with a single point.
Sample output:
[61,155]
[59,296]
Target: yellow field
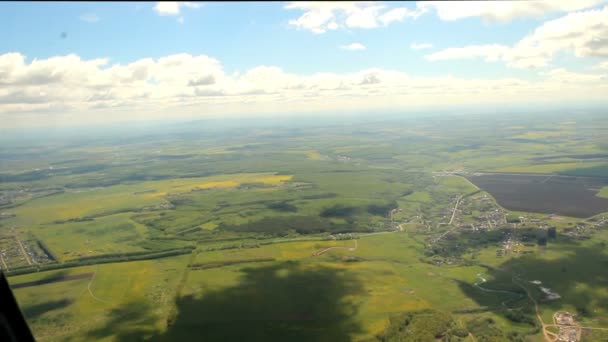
[224,181]
[104,200]
[538,135]
[313,155]
[603,192]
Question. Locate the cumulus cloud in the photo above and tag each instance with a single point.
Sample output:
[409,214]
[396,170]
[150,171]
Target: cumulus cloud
[397,14]
[491,52]
[503,11]
[353,47]
[321,16]
[561,75]
[204,80]
[421,46]
[173,8]
[184,84]
[585,33]
[371,78]
[89,18]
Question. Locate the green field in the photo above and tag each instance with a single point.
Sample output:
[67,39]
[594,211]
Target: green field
[328,231]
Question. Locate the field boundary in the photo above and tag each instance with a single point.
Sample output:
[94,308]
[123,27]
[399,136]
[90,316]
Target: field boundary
[101,259]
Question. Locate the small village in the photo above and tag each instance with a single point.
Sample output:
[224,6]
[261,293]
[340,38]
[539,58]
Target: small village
[569,331]
[16,252]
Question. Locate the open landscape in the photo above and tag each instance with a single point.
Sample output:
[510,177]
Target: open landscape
[311,231]
[306,171]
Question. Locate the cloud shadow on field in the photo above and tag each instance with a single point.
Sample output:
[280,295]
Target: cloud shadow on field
[133,321]
[576,276]
[284,302]
[34,311]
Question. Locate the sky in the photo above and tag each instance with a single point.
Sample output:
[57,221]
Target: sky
[65,62]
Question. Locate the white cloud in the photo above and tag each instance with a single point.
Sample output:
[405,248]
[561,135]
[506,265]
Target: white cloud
[89,18]
[399,14]
[321,16]
[173,8]
[503,11]
[353,47]
[491,52]
[187,85]
[561,75]
[421,46]
[585,33]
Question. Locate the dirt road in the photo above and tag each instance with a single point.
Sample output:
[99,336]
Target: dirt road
[350,249]
[4,266]
[454,211]
[546,333]
[27,257]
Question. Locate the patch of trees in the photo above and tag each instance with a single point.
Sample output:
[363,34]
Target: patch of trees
[47,250]
[208,265]
[232,246]
[513,218]
[423,325]
[131,254]
[518,316]
[282,206]
[381,210]
[92,183]
[281,226]
[189,230]
[24,177]
[253,185]
[319,196]
[485,329]
[338,210]
[101,259]
[76,219]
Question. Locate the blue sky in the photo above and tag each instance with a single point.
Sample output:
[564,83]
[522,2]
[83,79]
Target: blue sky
[242,36]
[493,41]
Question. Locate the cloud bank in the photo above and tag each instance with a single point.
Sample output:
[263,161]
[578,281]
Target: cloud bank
[185,84]
[584,33]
